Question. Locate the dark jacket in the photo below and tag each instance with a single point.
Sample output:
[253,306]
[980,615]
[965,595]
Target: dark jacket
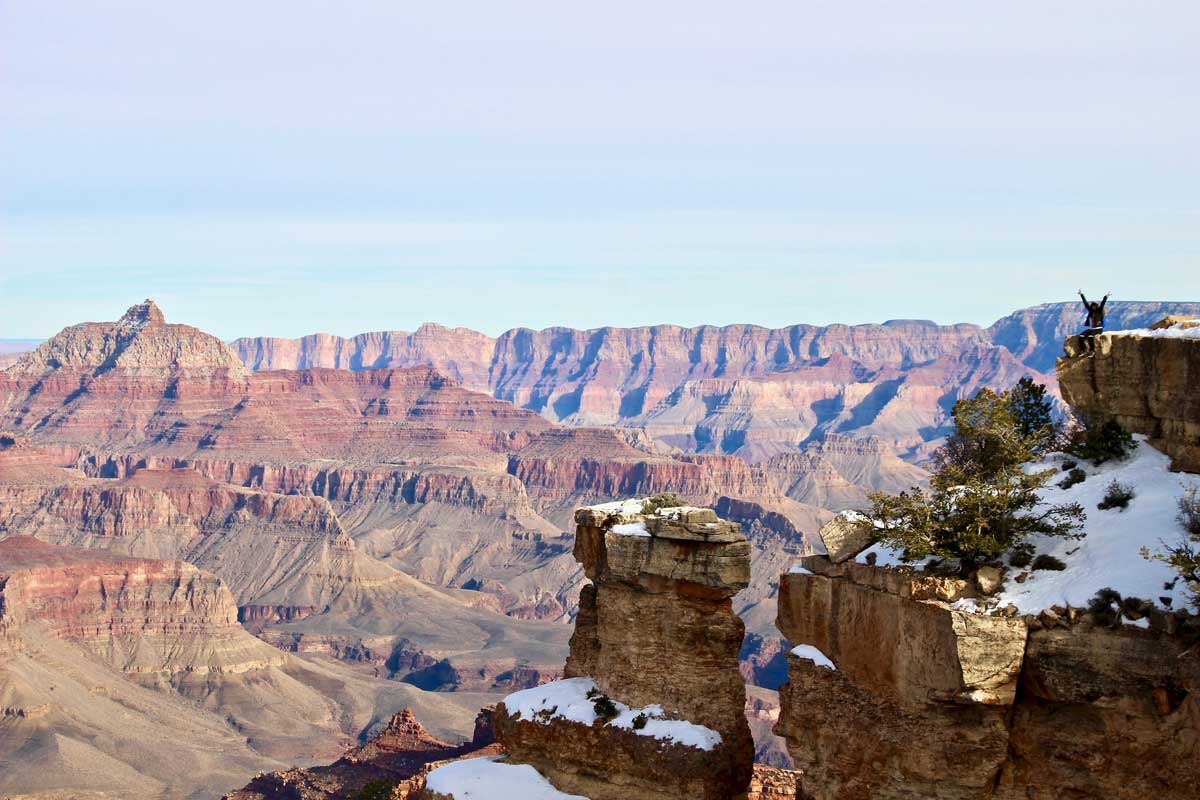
[1094,311]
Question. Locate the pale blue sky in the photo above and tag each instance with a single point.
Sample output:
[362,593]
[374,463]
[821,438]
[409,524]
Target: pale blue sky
[284,167]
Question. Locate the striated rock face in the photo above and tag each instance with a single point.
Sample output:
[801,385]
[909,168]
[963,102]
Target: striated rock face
[918,699]
[655,628]
[1147,383]
[737,389]
[139,615]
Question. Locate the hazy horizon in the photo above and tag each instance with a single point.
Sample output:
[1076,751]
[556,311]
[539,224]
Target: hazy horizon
[286,167]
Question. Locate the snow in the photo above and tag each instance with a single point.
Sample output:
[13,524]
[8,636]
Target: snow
[810,653]
[1173,332]
[633,506]
[675,512]
[799,570]
[631,529]
[488,779]
[1110,555]
[567,699]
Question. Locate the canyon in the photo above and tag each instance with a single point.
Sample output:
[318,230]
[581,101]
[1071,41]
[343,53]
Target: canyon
[383,522]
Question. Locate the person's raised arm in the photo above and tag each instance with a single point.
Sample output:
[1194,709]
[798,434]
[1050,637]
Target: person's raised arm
[1104,301]
[1083,297]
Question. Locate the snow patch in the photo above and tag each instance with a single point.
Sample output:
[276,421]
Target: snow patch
[633,506]
[567,699]
[1109,556]
[631,529]
[487,778]
[1174,332]
[810,653]
[799,570]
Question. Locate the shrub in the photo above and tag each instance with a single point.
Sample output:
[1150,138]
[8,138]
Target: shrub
[1021,555]
[1100,443]
[981,502]
[605,708]
[1189,510]
[379,789]
[640,721]
[651,505]
[1048,563]
[1135,606]
[1185,556]
[1103,607]
[1074,477]
[1116,495]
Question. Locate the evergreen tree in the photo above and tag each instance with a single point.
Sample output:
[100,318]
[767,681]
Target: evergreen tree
[981,502]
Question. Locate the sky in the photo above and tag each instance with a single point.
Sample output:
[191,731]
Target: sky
[280,168]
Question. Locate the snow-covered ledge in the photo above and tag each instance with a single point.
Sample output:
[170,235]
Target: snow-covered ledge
[569,700]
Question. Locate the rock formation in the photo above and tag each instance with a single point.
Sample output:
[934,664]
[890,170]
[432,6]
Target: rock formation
[1147,382]
[656,635]
[894,693]
[398,758]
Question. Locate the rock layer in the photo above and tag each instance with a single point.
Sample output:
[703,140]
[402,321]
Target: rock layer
[922,700]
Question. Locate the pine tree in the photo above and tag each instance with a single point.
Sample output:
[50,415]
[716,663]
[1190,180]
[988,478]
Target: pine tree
[981,502]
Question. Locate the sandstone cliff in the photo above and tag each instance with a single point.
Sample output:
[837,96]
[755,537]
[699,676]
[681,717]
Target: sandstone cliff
[894,693]
[657,638]
[1146,380]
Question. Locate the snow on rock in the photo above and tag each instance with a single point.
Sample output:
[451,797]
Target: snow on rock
[799,570]
[488,778]
[1110,555]
[810,653]
[567,699]
[632,506]
[631,529]
[1174,332]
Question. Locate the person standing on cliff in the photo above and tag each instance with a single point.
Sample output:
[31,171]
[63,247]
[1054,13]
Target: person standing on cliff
[1095,321]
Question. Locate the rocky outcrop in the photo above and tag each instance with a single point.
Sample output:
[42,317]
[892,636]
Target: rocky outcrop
[656,634]
[1145,381]
[893,693]
[396,759]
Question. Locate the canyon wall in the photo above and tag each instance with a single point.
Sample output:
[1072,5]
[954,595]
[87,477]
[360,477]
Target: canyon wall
[737,389]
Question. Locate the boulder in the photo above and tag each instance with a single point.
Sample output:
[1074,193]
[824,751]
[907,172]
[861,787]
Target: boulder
[845,536]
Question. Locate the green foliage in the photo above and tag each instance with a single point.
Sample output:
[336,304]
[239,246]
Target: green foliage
[1032,412]
[379,789]
[1048,563]
[605,708]
[1074,477]
[1100,443]
[1185,556]
[981,502]
[640,721]
[1116,495]
[651,505]
[1021,555]
[1189,510]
